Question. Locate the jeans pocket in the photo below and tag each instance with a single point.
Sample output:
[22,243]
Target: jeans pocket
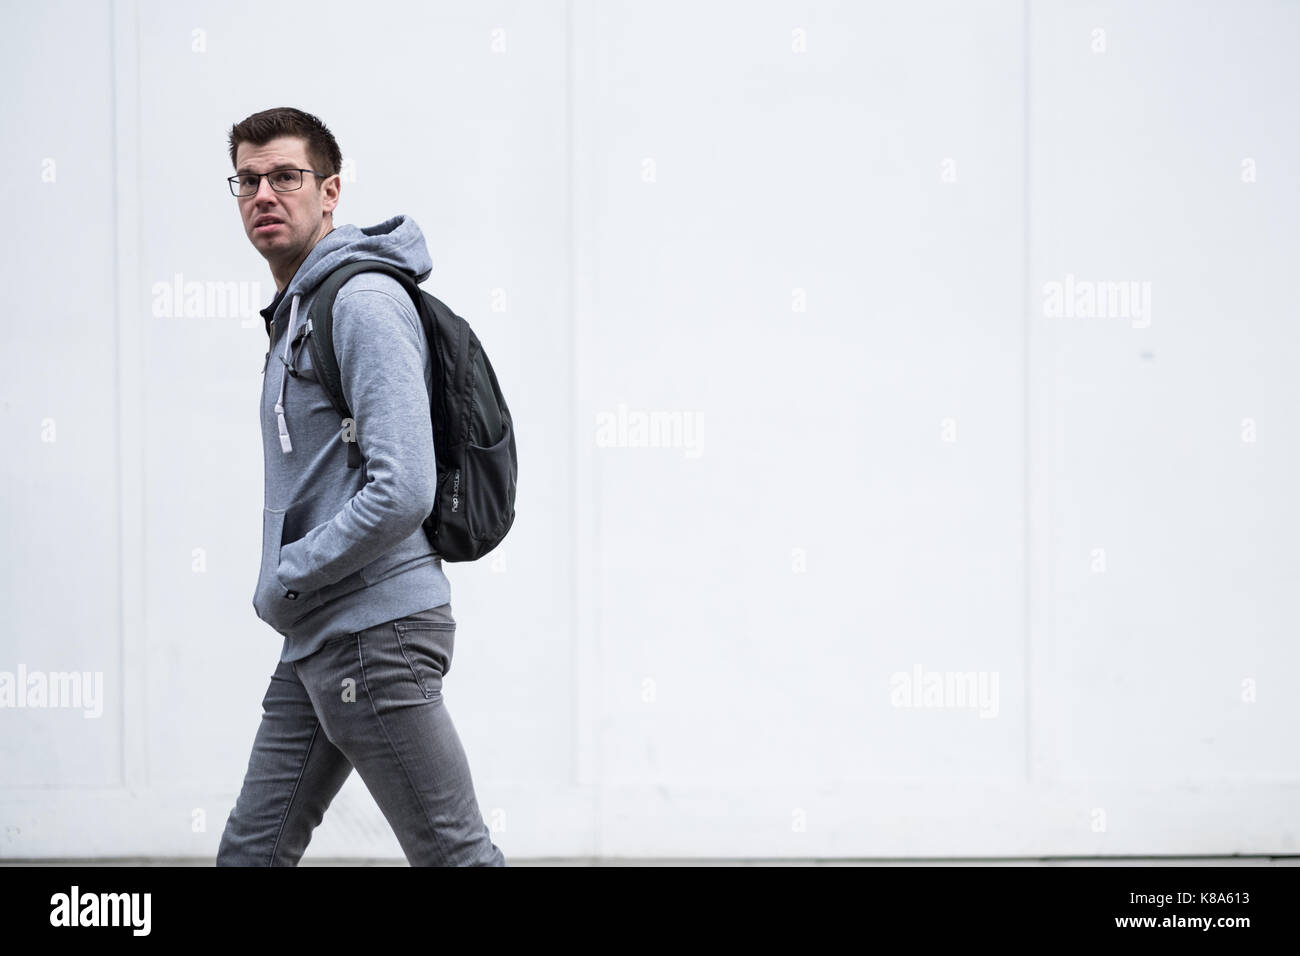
[427,647]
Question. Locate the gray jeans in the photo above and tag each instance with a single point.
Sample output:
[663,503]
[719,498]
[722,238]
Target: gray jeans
[371,700]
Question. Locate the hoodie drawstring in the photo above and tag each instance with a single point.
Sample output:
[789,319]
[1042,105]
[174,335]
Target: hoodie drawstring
[285,444]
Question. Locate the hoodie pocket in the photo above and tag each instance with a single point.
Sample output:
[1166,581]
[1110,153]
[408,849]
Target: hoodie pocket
[269,600]
[272,525]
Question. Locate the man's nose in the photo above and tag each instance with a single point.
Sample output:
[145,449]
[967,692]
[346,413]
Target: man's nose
[263,183]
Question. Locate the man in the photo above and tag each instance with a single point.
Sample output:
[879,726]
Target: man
[348,575]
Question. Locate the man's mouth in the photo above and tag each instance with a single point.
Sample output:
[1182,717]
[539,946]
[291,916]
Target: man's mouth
[267,226]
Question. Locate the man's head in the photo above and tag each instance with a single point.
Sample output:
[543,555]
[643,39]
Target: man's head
[285,139]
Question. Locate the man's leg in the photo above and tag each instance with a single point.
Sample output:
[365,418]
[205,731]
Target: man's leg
[293,774]
[395,729]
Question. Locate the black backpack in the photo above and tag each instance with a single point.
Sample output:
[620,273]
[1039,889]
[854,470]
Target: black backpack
[473,434]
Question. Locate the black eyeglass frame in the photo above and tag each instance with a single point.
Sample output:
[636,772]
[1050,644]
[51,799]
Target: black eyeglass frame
[234,180]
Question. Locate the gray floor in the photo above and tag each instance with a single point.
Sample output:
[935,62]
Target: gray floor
[595,861]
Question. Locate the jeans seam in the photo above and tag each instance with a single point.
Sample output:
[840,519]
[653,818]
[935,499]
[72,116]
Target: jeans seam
[419,798]
[279,833]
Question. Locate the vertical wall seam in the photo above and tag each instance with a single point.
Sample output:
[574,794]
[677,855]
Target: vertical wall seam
[1027,564]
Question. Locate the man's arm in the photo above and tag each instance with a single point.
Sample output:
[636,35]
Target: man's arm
[377,338]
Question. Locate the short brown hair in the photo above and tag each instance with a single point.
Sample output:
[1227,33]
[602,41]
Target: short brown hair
[260,128]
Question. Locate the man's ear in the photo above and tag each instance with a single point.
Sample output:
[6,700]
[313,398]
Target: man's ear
[332,187]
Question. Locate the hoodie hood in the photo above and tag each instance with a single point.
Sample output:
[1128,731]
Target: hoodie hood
[398,241]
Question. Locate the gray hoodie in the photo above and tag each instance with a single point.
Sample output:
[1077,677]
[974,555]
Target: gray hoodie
[343,548]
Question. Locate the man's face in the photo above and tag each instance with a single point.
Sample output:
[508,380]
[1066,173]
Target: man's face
[296,215]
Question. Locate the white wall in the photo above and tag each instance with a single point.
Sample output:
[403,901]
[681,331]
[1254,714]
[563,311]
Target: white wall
[820,232]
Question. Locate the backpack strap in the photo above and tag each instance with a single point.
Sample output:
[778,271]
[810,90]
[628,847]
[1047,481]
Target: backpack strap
[320,323]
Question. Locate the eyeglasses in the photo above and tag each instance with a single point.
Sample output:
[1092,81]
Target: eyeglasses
[281,180]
